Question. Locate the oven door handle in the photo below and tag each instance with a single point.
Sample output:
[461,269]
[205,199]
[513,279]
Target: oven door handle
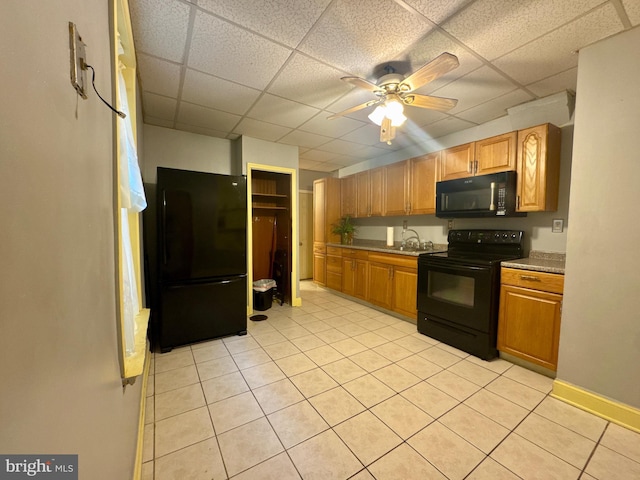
[455,268]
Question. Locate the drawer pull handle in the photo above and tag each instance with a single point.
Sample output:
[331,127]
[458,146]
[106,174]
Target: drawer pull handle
[531,278]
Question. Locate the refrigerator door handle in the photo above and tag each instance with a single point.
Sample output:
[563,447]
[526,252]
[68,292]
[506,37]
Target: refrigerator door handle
[164,227]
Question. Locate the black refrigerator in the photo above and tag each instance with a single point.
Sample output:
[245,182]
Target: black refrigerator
[201,256]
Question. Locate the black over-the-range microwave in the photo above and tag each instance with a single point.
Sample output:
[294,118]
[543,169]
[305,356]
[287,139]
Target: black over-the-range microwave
[492,195]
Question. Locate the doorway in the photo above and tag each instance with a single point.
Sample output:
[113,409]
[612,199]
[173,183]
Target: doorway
[272,230]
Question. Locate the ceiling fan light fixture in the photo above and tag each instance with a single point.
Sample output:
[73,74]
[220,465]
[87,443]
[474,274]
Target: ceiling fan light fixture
[397,119]
[377,116]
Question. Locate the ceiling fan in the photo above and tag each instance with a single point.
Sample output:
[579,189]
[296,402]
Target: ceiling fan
[393,91]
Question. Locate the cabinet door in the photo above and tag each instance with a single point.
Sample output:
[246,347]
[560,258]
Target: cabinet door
[538,168]
[360,274]
[376,189]
[363,194]
[496,154]
[319,218]
[348,276]
[396,177]
[529,325]
[422,190]
[348,196]
[405,291]
[380,284]
[319,268]
[457,162]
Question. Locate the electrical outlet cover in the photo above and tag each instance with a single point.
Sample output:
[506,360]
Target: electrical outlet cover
[557,225]
[78,61]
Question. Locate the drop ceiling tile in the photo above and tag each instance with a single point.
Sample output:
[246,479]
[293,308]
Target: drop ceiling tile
[304,139]
[158,106]
[319,156]
[356,96]
[567,80]
[554,53]
[495,27]
[308,81]
[160,27]
[261,130]
[201,130]
[475,88]
[355,35]
[160,122]
[342,147]
[230,52]
[439,11]
[632,7]
[371,151]
[327,167]
[158,76]
[276,19]
[496,108]
[447,126]
[365,135]
[213,92]
[281,111]
[336,127]
[308,165]
[209,118]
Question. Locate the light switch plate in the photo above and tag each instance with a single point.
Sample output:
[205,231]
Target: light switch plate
[78,61]
[557,225]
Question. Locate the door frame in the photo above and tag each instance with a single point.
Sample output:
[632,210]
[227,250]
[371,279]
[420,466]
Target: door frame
[296,301]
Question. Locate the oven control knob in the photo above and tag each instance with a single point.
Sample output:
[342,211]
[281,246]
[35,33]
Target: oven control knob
[514,235]
[505,236]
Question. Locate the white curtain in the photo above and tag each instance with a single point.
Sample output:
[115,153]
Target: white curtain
[132,199]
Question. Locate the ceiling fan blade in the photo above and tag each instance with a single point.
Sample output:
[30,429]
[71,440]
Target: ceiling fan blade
[427,101]
[361,83]
[356,108]
[442,64]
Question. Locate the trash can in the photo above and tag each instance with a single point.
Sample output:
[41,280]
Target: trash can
[263,294]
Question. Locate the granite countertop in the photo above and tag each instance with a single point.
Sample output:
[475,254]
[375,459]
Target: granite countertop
[549,262]
[380,246]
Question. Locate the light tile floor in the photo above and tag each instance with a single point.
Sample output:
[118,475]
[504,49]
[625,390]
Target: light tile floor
[335,390]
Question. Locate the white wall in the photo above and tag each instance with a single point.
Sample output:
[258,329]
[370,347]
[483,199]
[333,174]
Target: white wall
[165,147]
[59,367]
[600,334]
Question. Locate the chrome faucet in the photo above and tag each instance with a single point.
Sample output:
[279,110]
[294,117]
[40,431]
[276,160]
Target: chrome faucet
[406,240]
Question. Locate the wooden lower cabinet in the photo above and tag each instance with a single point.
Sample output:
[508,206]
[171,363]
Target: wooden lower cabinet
[529,318]
[380,287]
[393,283]
[405,291]
[319,263]
[334,268]
[354,276]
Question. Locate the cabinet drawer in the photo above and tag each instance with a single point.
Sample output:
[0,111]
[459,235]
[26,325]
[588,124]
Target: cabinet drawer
[334,251]
[334,263]
[355,253]
[396,260]
[547,282]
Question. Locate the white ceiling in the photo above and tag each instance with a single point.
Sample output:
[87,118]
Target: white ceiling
[271,69]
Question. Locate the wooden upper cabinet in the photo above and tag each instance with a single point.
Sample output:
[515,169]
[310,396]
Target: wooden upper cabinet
[496,154]
[457,162]
[538,168]
[326,209]
[396,187]
[363,194]
[348,196]
[422,187]
[376,191]
[490,155]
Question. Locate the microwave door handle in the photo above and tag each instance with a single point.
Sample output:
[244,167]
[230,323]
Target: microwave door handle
[492,206]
